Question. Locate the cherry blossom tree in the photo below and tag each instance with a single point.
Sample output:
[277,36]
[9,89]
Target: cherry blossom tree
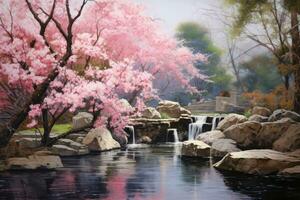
[73,55]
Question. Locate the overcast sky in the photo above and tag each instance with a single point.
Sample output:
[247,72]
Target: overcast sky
[206,12]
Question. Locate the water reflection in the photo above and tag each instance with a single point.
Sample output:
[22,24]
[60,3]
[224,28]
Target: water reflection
[148,173]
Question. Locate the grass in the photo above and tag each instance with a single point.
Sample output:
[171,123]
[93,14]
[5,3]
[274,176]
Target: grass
[57,129]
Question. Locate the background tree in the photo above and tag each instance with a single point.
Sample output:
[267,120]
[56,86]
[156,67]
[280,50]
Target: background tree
[260,73]
[279,21]
[196,37]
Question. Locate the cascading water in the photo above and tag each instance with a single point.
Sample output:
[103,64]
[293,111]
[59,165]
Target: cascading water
[196,128]
[131,130]
[214,123]
[175,134]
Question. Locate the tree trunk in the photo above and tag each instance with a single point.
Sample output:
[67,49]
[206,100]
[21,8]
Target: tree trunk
[46,135]
[6,132]
[296,61]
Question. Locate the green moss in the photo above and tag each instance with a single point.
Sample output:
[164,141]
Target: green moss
[61,128]
[165,116]
[247,113]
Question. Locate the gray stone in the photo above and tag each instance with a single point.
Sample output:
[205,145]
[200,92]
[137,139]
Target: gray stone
[271,131]
[172,109]
[195,148]
[292,172]
[282,113]
[262,111]
[34,162]
[210,136]
[231,119]
[221,147]
[244,134]
[145,140]
[81,120]
[30,142]
[100,139]
[261,162]
[63,150]
[151,113]
[289,140]
[258,118]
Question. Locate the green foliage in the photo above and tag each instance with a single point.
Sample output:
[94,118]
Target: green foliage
[245,12]
[247,113]
[164,115]
[260,73]
[196,37]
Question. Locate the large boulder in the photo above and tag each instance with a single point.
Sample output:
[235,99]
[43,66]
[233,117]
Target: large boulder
[258,118]
[282,113]
[151,113]
[262,111]
[292,172]
[172,109]
[271,131]
[244,134]
[195,148]
[262,161]
[230,120]
[36,161]
[100,139]
[221,147]
[81,120]
[210,136]
[289,140]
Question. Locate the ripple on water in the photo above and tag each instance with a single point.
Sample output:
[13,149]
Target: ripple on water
[142,173]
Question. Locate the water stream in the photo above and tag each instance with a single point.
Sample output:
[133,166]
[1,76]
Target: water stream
[151,173]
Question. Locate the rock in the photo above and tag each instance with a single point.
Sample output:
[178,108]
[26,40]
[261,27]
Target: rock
[211,136]
[230,120]
[292,171]
[151,113]
[145,140]
[289,140]
[221,147]
[232,108]
[63,150]
[195,148]
[34,162]
[262,111]
[71,144]
[76,135]
[244,134]
[271,131]
[261,162]
[258,118]
[282,113]
[100,139]
[30,142]
[82,120]
[172,109]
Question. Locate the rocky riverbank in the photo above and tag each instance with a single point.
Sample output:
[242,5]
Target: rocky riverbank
[266,143]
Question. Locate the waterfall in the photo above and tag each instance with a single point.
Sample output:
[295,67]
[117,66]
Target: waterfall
[196,128]
[131,130]
[175,135]
[214,123]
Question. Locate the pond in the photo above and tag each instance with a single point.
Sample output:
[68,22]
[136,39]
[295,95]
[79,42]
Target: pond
[145,173]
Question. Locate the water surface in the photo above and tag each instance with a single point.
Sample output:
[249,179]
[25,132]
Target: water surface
[147,173]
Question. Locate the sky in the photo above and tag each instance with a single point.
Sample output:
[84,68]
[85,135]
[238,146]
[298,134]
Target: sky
[208,13]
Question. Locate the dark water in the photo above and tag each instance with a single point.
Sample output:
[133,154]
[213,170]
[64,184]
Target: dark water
[152,173]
